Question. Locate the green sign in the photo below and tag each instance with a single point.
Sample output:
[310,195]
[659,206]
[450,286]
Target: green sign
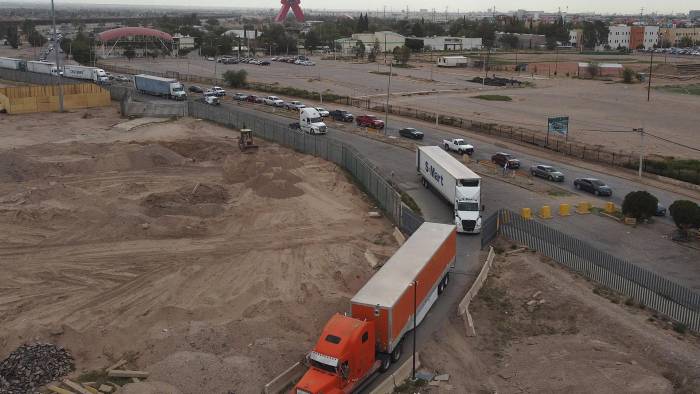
[559,125]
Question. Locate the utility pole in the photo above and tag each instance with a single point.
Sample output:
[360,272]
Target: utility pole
[651,63]
[58,64]
[641,149]
[388,91]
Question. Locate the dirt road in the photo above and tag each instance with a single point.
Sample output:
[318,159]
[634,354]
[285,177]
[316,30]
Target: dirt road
[541,329]
[212,269]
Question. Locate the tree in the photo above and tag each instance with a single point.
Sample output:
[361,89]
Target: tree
[212,22]
[402,54]
[12,36]
[594,33]
[236,79]
[640,205]
[312,40]
[36,39]
[359,50]
[414,44]
[685,42]
[686,215]
[81,49]
[509,41]
[130,53]
[628,74]
[376,48]
[418,29]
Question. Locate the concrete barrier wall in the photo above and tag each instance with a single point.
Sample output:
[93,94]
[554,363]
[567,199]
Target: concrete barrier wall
[398,377]
[463,308]
[285,379]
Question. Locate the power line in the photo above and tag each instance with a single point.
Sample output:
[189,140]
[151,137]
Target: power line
[673,142]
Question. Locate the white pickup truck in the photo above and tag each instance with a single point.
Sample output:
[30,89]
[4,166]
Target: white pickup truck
[274,101]
[458,145]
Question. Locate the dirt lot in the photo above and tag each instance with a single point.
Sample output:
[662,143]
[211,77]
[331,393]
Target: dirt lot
[542,329]
[210,268]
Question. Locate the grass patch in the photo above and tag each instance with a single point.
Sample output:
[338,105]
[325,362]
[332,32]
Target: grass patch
[693,89]
[556,192]
[402,65]
[494,97]
[382,73]
[687,170]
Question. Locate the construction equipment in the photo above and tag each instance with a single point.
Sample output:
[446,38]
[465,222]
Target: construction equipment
[245,141]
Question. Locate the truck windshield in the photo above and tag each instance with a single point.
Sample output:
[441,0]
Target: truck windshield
[322,366]
[178,89]
[316,120]
[467,206]
[459,142]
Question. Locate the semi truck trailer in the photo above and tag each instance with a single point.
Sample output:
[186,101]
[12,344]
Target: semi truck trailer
[456,183]
[157,86]
[42,67]
[12,64]
[353,347]
[93,74]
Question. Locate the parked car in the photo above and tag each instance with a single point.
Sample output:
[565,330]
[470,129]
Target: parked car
[341,115]
[502,158]
[211,100]
[264,63]
[219,91]
[195,89]
[211,59]
[122,78]
[260,99]
[660,210]
[274,101]
[547,172]
[210,93]
[294,105]
[252,98]
[592,185]
[240,96]
[410,132]
[369,121]
[322,111]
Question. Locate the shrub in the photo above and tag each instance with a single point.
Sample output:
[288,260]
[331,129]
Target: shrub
[686,214]
[639,205]
[236,79]
[680,328]
[628,75]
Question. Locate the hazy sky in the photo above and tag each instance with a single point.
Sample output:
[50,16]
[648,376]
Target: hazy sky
[599,6]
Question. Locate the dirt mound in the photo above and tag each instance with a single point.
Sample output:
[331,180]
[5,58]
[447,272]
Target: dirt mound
[279,183]
[202,150]
[199,200]
[15,167]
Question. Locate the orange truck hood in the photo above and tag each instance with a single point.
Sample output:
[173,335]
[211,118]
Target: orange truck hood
[315,381]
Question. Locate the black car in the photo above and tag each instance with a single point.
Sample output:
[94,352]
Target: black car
[341,115]
[592,185]
[501,159]
[660,210]
[265,63]
[410,132]
[195,89]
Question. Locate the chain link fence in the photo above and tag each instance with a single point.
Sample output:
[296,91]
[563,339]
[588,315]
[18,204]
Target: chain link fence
[645,287]
[366,175]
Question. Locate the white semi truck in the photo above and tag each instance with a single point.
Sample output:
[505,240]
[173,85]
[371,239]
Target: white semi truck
[42,67]
[310,121]
[93,74]
[12,64]
[459,185]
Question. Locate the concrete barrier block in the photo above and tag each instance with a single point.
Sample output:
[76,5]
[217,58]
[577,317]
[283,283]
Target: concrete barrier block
[545,212]
[526,213]
[285,378]
[564,210]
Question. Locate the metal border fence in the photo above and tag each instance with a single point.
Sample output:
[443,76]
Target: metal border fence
[347,157]
[647,288]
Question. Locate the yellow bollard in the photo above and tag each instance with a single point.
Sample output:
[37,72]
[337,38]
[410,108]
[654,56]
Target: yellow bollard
[526,213]
[610,207]
[564,210]
[583,208]
[545,212]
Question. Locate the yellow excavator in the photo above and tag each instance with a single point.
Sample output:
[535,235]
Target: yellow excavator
[245,141]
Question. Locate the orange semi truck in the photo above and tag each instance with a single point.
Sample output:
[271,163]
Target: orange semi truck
[351,348]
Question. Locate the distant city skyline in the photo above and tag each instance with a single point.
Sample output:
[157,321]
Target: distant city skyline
[590,6]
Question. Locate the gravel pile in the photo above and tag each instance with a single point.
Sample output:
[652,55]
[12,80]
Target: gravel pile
[31,366]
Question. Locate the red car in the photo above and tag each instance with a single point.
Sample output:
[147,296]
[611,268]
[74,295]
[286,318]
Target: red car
[251,98]
[369,121]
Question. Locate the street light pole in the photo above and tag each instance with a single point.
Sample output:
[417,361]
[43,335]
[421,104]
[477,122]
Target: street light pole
[641,150]
[651,63]
[388,91]
[58,65]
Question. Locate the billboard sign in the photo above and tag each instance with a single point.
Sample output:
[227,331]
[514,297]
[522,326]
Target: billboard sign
[558,124]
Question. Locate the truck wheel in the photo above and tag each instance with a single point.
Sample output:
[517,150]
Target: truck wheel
[386,362]
[396,354]
[447,147]
[425,183]
[441,287]
[446,280]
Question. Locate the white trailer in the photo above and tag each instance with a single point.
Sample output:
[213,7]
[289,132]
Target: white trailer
[456,183]
[42,67]
[12,64]
[93,74]
[452,61]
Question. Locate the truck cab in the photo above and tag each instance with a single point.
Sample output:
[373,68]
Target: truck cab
[177,91]
[310,121]
[342,359]
[468,206]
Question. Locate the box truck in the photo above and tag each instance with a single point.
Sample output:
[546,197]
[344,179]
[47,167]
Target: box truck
[353,347]
[459,185]
[157,86]
[42,67]
[12,64]
[93,74]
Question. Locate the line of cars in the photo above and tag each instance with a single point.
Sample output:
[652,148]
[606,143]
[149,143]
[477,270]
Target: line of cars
[298,60]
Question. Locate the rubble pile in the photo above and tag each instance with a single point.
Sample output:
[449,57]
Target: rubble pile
[31,366]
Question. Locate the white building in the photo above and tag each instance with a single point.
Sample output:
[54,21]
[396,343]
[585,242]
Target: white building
[243,33]
[388,40]
[651,36]
[619,36]
[346,46]
[182,42]
[442,43]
